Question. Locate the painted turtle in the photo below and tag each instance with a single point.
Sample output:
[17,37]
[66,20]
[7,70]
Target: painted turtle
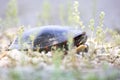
[46,37]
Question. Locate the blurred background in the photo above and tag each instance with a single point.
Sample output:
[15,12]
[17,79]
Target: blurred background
[56,12]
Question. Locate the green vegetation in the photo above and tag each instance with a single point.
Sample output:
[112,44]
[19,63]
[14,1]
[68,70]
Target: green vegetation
[15,75]
[11,19]
[44,18]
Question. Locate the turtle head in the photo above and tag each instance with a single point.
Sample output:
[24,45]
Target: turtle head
[80,39]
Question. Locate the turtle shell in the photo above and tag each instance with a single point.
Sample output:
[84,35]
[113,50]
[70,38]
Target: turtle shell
[44,36]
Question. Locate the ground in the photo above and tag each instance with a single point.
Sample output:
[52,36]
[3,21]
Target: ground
[102,62]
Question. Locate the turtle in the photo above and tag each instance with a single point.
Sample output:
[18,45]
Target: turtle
[46,37]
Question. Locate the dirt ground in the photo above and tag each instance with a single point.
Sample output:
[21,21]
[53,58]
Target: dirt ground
[100,61]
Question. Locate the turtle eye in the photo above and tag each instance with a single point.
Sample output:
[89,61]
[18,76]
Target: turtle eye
[81,39]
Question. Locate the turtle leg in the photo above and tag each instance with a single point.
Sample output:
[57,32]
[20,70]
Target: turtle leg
[82,48]
[87,48]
